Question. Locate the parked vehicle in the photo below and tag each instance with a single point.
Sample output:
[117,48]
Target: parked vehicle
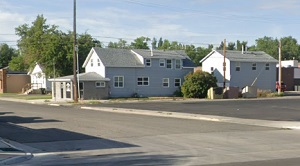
[283,86]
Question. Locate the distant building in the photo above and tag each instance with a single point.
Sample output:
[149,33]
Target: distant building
[251,68]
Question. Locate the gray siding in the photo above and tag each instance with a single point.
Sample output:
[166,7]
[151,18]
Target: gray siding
[246,76]
[91,92]
[155,74]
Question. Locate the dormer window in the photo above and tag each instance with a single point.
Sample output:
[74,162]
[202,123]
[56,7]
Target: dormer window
[148,62]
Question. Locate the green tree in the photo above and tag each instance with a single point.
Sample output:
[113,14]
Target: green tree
[268,45]
[17,64]
[154,43]
[239,45]
[160,43]
[290,48]
[140,43]
[231,46]
[197,84]
[6,54]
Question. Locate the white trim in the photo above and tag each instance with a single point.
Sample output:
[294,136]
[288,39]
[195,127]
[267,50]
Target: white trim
[163,81]
[143,81]
[179,82]
[119,82]
[164,62]
[148,62]
[102,84]
[171,63]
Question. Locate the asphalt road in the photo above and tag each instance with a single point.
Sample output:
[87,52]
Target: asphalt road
[276,109]
[68,135]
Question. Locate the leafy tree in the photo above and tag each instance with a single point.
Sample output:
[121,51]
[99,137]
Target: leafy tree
[17,63]
[197,84]
[160,43]
[290,48]
[239,45]
[231,46]
[6,54]
[140,43]
[268,45]
[154,43]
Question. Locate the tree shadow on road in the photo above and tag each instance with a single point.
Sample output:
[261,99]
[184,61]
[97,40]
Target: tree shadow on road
[52,139]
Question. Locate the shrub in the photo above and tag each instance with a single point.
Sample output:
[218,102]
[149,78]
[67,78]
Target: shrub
[197,84]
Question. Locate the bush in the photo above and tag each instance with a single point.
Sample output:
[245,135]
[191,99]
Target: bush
[197,84]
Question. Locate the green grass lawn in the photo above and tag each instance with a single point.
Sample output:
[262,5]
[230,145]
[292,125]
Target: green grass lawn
[26,97]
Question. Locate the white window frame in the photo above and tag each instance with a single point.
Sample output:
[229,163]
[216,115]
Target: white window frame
[118,81]
[171,65]
[165,81]
[175,82]
[267,66]
[92,63]
[237,66]
[162,62]
[143,80]
[177,65]
[148,62]
[101,84]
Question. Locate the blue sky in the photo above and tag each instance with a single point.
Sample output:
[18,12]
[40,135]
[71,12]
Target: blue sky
[198,22]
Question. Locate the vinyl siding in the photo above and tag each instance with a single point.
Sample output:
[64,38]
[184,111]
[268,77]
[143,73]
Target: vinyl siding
[155,74]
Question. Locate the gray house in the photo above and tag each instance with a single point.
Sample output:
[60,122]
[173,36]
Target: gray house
[142,73]
[251,68]
[126,73]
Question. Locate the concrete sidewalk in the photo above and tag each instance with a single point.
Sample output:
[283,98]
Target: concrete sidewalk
[9,154]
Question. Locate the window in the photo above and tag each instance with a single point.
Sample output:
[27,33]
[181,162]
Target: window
[165,82]
[177,82]
[119,81]
[237,66]
[267,66]
[148,62]
[98,61]
[253,66]
[177,64]
[161,63]
[100,84]
[92,64]
[143,81]
[169,63]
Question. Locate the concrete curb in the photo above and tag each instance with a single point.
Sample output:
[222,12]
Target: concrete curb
[14,158]
[254,122]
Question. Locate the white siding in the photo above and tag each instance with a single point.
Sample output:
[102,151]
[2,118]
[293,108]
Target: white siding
[95,68]
[216,61]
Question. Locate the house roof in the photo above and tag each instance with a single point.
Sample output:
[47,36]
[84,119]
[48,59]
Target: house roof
[174,54]
[112,57]
[91,76]
[249,56]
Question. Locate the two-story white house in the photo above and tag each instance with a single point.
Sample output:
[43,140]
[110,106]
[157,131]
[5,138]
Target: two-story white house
[251,68]
[137,72]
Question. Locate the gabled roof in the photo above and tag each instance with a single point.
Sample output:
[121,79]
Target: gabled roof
[239,56]
[112,57]
[91,76]
[172,54]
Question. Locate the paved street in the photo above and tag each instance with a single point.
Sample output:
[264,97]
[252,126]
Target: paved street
[69,135]
[279,109]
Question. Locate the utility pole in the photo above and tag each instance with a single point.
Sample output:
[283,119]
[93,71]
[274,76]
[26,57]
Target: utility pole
[279,69]
[75,90]
[224,65]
